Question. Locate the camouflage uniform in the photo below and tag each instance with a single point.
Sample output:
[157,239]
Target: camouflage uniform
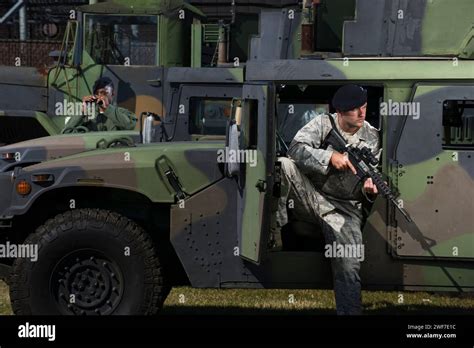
[315,192]
[114,118]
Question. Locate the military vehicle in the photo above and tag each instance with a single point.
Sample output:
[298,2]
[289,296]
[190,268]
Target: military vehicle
[112,39]
[117,227]
[194,106]
[36,103]
[133,44]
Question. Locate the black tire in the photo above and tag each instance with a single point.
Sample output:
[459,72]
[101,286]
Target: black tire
[82,268]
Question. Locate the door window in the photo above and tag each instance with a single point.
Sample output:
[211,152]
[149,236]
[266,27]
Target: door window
[209,116]
[458,123]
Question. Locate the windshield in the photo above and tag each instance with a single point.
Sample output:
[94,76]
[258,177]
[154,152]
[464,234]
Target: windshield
[121,40]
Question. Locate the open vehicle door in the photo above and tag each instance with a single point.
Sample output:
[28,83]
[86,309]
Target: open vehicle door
[251,156]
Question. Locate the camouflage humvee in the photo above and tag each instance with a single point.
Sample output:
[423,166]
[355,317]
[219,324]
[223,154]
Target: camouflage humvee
[116,228]
[36,103]
[188,94]
[133,43]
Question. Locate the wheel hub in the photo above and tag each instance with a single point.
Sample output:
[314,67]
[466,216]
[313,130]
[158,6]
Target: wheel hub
[85,283]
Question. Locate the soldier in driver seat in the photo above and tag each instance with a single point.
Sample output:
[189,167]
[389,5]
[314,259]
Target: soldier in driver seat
[105,116]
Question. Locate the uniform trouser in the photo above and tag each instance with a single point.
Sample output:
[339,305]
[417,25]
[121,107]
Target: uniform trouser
[338,225]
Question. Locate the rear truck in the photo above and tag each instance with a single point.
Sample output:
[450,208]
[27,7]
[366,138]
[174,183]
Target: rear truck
[128,43]
[134,45]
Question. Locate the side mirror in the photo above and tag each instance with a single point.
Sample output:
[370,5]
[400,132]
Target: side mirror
[233,138]
[147,131]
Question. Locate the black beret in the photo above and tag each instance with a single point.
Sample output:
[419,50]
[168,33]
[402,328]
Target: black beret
[102,83]
[349,97]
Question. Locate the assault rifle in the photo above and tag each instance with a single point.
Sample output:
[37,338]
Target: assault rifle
[363,161]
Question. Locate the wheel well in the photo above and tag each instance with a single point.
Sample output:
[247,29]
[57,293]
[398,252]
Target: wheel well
[153,217]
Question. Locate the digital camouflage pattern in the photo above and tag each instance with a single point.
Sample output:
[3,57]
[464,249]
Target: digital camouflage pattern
[342,189]
[329,199]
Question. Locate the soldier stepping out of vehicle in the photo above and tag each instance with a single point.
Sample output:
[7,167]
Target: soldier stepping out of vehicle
[325,190]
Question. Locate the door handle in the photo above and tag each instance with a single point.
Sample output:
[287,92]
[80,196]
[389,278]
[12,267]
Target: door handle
[261,185]
[154,83]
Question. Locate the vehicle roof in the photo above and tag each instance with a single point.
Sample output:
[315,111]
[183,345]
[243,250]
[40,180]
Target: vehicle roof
[149,7]
[370,69]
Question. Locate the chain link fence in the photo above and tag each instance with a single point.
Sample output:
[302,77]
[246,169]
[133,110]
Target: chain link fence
[32,53]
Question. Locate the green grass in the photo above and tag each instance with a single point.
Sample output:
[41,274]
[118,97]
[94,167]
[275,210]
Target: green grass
[186,300]
[5,308]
